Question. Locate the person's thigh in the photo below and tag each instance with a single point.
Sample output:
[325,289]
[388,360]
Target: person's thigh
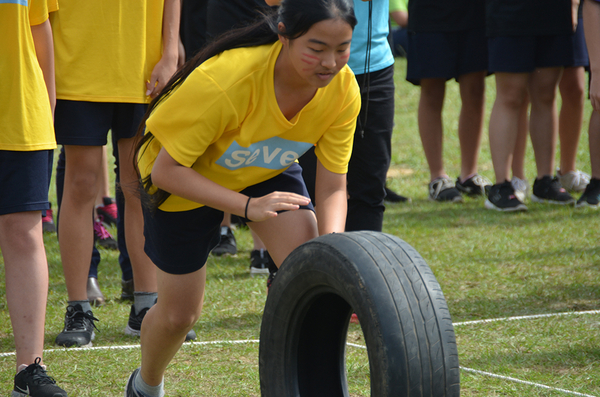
[24,179]
[431,55]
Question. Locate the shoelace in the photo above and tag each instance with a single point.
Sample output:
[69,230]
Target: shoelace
[480,181]
[442,184]
[100,231]
[77,319]
[38,373]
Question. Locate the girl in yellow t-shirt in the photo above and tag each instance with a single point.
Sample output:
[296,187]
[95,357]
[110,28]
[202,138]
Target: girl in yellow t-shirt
[26,145]
[224,135]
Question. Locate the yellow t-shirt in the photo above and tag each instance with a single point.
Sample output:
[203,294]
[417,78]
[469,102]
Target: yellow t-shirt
[105,50]
[25,114]
[225,123]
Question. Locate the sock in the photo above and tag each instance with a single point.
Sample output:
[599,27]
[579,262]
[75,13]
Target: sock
[147,390]
[143,300]
[85,305]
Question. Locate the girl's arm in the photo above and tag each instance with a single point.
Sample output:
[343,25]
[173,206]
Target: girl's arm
[44,50]
[591,25]
[169,175]
[167,66]
[331,200]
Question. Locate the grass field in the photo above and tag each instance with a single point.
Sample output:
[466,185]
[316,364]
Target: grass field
[542,262]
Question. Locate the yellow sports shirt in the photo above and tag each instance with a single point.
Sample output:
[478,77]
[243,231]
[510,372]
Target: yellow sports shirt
[225,123]
[25,114]
[105,50]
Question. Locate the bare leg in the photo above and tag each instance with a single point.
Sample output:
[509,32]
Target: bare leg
[511,89]
[26,271]
[144,274]
[430,124]
[543,119]
[104,180]
[75,232]
[470,123]
[594,138]
[169,320]
[518,161]
[572,91]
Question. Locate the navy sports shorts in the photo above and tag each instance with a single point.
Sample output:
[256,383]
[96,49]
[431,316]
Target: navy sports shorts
[524,54]
[446,55]
[24,180]
[180,242]
[87,123]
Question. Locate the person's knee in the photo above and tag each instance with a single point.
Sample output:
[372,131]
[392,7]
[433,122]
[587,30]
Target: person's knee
[182,319]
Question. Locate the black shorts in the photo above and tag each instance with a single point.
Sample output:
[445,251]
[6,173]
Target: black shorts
[524,54]
[445,55]
[180,242]
[87,123]
[24,180]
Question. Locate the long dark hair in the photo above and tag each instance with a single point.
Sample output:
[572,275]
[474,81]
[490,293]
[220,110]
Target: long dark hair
[298,16]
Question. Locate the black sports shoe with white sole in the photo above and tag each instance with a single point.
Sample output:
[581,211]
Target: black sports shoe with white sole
[35,382]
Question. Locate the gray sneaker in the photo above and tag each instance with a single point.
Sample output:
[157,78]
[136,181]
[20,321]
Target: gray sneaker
[443,189]
[573,181]
[79,328]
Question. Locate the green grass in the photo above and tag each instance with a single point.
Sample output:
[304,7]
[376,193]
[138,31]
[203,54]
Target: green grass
[489,265]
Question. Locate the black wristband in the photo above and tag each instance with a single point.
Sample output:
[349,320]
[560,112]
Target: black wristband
[246,211]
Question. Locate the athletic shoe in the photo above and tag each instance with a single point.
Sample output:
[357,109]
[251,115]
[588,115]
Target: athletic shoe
[394,197]
[354,319]
[573,181]
[476,185]
[227,245]
[443,189]
[107,213]
[130,389]
[94,294]
[134,324]
[548,190]
[48,222]
[502,198]
[79,328]
[103,238]
[591,195]
[34,381]
[259,262]
[521,187]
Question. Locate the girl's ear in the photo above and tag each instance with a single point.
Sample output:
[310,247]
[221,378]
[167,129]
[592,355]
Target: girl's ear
[281,28]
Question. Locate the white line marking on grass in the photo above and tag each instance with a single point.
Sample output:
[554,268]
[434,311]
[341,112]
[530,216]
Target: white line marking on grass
[525,317]
[524,382]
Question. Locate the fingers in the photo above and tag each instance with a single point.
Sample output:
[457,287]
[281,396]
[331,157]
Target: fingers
[265,207]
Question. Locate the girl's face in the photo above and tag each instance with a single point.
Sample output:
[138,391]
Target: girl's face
[319,54]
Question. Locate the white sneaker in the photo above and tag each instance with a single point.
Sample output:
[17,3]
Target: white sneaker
[573,181]
[521,187]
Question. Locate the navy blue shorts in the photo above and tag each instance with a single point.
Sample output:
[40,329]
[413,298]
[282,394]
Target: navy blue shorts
[524,54]
[24,180]
[180,242]
[87,123]
[445,55]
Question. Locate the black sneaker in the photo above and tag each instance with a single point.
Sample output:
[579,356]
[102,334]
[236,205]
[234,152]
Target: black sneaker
[129,389]
[443,189]
[502,198]
[34,381]
[259,262]
[79,328]
[227,245]
[476,185]
[393,197]
[549,190]
[591,195]
[134,324]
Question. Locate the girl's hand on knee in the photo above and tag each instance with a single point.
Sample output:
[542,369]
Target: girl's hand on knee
[266,207]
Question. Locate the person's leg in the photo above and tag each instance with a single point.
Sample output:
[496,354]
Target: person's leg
[572,91]
[166,324]
[143,269]
[431,102]
[511,89]
[518,160]
[282,234]
[594,142]
[543,118]
[470,123]
[26,271]
[75,232]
